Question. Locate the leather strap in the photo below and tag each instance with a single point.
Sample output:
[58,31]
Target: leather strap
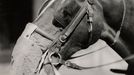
[44,34]
[62,38]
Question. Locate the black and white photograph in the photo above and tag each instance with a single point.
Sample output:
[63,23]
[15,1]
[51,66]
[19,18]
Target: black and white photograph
[66,37]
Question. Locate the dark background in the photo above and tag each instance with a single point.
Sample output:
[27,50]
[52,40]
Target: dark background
[14,15]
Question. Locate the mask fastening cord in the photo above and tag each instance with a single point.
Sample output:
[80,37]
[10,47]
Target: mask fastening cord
[123,19]
[71,65]
[100,49]
[77,67]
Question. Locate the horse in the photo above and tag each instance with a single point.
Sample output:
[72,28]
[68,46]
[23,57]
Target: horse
[90,21]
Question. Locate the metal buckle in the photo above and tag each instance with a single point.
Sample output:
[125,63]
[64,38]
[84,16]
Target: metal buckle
[62,38]
[55,58]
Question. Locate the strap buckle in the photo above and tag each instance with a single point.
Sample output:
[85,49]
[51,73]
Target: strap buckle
[62,38]
[55,58]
